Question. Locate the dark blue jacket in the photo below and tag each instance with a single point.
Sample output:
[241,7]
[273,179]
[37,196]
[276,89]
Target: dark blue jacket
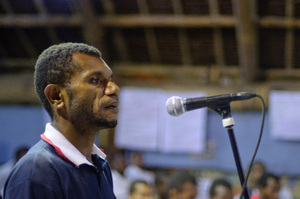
[43,174]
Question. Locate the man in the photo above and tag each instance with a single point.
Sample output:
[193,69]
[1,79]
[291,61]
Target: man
[75,87]
[6,168]
[140,189]
[136,171]
[220,189]
[258,169]
[121,183]
[161,184]
[268,186]
[182,185]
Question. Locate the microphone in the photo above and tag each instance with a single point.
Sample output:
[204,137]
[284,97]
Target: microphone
[178,105]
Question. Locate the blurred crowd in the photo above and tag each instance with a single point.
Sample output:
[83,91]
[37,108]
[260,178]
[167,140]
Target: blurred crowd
[131,180]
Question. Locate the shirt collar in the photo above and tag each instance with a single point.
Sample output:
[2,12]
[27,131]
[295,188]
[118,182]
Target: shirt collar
[65,149]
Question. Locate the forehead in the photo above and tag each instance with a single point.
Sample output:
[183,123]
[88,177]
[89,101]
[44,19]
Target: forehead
[89,62]
[222,190]
[271,182]
[142,187]
[188,187]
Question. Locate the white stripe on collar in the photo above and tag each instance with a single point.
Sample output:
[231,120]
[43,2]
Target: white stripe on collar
[69,151]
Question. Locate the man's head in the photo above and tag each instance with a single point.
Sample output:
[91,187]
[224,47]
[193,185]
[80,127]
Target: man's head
[140,190]
[268,185]
[182,185]
[20,153]
[161,184]
[118,163]
[220,189]
[258,168]
[73,82]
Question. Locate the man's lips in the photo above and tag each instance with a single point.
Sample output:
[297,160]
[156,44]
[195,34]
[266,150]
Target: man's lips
[113,105]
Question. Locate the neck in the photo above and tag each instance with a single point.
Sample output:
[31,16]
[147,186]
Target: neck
[82,140]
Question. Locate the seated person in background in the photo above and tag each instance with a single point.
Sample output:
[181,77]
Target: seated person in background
[182,185]
[285,189]
[258,169]
[268,186]
[136,171]
[220,189]
[120,182]
[6,168]
[161,185]
[140,190]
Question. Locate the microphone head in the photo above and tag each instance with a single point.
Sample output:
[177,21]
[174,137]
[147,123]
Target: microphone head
[175,106]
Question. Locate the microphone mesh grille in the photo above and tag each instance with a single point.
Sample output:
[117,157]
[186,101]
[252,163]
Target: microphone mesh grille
[175,106]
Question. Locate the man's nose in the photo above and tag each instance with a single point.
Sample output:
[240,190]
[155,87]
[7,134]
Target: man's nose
[112,88]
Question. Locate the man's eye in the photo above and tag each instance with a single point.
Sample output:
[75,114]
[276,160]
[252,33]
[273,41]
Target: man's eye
[95,81]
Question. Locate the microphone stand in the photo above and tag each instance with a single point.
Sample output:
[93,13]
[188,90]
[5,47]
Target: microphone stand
[228,123]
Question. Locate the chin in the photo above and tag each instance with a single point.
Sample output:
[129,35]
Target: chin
[108,124]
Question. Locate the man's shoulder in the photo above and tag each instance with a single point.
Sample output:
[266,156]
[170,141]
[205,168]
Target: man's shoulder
[41,152]
[40,160]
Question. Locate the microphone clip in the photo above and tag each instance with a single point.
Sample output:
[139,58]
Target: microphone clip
[225,111]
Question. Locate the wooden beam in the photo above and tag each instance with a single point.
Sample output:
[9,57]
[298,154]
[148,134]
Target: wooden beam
[7,7]
[17,62]
[247,40]
[184,47]
[149,34]
[92,31]
[108,6]
[143,7]
[40,6]
[41,20]
[182,36]
[282,74]
[278,22]
[29,48]
[177,7]
[166,21]
[152,45]
[3,51]
[289,37]
[217,34]
[17,89]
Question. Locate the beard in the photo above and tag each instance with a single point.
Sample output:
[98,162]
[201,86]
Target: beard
[83,117]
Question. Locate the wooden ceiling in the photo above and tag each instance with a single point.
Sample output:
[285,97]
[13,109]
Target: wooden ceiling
[215,45]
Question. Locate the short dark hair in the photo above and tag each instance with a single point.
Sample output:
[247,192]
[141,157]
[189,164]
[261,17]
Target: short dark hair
[21,152]
[159,176]
[262,181]
[177,179]
[218,182]
[132,187]
[54,66]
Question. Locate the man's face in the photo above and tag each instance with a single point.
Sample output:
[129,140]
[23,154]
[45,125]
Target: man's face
[222,192]
[93,97]
[187,191]
[271,191]
[142,191]
[257,170]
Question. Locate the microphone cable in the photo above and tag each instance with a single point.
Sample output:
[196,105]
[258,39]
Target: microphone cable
[256,147]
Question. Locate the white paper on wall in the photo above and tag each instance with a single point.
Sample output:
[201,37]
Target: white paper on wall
[137,119]
[284,111]
[144,123]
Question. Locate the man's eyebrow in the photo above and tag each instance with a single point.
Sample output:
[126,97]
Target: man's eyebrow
[96,73]
[99,73]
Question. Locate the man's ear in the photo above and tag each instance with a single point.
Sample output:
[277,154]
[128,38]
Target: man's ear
[54,95]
